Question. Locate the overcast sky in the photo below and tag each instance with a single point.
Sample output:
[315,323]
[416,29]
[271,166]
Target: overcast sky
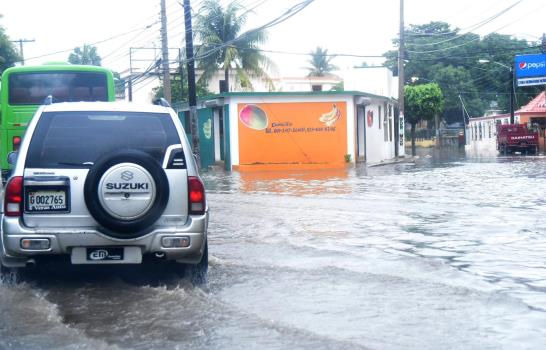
[362,27]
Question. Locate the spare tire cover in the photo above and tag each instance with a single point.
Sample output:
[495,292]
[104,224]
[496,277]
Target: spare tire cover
[126,192]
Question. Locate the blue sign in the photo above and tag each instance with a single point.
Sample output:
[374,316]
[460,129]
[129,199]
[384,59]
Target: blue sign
[530,69]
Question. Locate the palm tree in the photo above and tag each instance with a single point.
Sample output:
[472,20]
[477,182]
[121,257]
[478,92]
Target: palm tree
[320,63]
[224,47]
[87,56]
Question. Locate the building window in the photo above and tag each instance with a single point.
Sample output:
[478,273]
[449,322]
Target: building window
[316,87]
[379,117]
[489,124]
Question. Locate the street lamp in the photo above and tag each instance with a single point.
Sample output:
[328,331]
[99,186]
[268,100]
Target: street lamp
[511,69]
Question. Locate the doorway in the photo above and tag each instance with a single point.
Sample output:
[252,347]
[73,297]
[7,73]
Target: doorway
[218,135]
[361,132]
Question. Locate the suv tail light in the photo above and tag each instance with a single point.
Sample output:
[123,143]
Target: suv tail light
[16,142]
[13,199]
[196,196]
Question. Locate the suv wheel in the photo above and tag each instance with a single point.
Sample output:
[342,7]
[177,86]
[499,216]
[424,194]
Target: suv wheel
[199,272]
[9,275]
[126,192]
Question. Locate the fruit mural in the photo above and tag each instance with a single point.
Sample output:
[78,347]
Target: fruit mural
[207,128]
[292,133]
[331,117]
[253,117]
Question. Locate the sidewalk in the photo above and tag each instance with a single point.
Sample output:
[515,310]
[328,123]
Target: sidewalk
[401,159]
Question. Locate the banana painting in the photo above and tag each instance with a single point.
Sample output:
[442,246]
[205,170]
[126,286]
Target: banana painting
[207,128]
[330,118]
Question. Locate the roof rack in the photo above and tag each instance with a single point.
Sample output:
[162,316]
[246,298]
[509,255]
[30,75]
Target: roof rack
[161,102]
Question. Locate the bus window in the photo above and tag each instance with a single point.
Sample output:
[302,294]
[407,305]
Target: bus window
[33,88]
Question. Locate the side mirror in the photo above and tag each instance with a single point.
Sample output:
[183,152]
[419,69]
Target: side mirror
[12,158]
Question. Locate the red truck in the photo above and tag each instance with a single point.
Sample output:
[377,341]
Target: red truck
[516,138]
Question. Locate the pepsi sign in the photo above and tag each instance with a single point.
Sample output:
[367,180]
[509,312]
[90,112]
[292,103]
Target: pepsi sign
[530,69]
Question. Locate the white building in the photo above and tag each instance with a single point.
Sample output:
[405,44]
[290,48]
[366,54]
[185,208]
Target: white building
[481,133]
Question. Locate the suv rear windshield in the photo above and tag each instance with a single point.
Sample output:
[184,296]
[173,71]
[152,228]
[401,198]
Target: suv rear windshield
[78,139]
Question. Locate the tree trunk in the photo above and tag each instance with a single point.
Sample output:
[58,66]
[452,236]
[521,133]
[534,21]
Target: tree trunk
[226,78]
[413,139]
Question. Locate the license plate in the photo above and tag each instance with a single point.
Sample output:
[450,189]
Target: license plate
[102,254]
[48,200]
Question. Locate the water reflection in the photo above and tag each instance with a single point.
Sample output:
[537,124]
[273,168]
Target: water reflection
[289,182]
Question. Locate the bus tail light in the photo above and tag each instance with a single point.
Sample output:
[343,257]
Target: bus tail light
[13,198]
[196,196]
[16,143]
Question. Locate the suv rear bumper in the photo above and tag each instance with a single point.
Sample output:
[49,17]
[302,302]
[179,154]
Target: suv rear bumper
[62,241]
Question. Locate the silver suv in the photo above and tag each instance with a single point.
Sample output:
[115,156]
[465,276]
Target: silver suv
[104,183]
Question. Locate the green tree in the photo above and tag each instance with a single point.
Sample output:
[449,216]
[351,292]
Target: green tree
[422,102]
[88,55]
[320,63]
[223,46]
[453,80]
[438,52]
[179,87]
[8,53]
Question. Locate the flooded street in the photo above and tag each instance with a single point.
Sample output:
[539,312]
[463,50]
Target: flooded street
[443,253]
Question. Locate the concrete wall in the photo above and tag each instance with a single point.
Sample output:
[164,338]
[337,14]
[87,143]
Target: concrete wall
[234,102]
[377,81]
[481,134]
[379,147]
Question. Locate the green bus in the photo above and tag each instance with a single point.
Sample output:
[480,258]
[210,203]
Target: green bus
[23,89]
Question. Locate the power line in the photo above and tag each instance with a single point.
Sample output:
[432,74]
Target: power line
[95,43]
[283,17]
[423,34]
[494,31]
[471,28]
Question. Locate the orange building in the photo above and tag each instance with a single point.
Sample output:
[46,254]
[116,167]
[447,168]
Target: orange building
[285,130]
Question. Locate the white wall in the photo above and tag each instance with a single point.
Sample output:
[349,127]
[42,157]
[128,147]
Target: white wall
[377,81]
[377,149]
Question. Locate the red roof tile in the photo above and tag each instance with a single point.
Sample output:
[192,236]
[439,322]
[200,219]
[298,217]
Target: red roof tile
[537,105]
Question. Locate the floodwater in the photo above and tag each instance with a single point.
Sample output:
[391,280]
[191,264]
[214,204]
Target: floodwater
[447,252]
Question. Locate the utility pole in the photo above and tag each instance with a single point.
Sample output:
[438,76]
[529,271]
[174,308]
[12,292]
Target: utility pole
[192,96]
[21,41]
[401,80]
[464,118]
[165,56]
[512,119]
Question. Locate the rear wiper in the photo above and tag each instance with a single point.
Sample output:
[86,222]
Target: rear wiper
[89,164]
